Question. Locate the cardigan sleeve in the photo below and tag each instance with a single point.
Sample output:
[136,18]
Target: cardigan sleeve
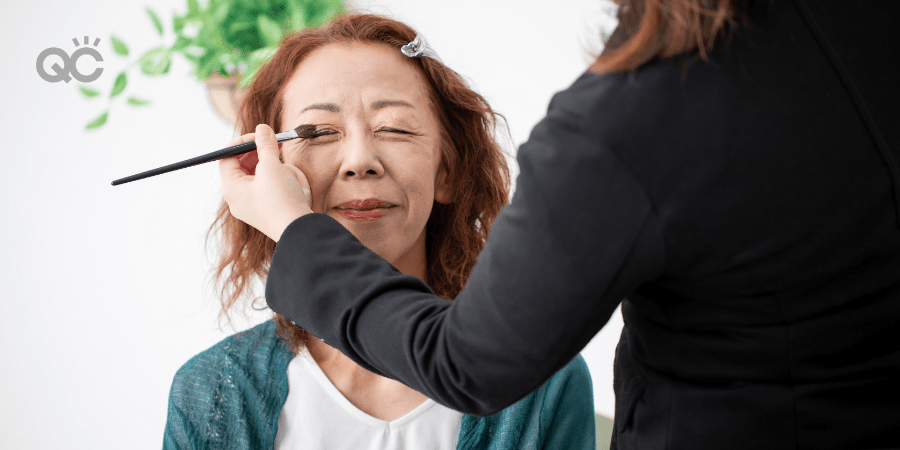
[230,395]
[179,433]
[578,236]
[568,409]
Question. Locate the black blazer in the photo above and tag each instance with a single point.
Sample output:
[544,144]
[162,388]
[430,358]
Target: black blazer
[746,207]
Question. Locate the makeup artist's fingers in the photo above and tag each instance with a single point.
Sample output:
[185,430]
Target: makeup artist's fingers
[242,139]
[268,148]
[267,145]
[248,160]
[230,170]
[269,154]
[237,166]
[268,151]
[273,196]
[304,183]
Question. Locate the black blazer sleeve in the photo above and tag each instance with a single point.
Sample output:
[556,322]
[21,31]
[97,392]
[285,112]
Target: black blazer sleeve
[579,234]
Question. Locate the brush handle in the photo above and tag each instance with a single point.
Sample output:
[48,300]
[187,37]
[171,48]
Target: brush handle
[226,152]
[234,150]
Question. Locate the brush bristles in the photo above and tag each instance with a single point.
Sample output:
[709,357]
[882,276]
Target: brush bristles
[306,131]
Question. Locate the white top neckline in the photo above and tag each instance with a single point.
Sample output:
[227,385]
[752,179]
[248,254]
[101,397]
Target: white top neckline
[316,415]
[333,391]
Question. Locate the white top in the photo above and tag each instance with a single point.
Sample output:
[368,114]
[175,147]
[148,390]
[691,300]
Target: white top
[317,416]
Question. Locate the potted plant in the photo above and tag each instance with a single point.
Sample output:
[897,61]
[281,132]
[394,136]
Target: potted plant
[226,41]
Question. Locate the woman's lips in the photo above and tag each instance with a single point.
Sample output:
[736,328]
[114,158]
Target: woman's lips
[363,210]
[362,216]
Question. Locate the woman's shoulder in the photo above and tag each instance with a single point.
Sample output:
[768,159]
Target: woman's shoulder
[230,394]
[250,354]
[575,373]
[559,414]
[569,388]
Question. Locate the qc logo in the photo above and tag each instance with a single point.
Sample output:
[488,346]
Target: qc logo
[69,69]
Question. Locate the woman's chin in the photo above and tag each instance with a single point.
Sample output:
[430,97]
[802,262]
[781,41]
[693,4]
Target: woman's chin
[372,233]
[390,237]
[362,223]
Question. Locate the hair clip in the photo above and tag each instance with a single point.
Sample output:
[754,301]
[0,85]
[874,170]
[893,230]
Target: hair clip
[418,48]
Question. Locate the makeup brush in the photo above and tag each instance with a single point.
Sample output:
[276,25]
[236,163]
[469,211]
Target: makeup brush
[301,132]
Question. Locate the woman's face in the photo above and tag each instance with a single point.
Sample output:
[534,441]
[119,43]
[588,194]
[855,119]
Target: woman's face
[375,165]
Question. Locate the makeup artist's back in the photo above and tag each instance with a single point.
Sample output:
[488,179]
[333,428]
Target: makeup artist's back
[747,207]
[776,323]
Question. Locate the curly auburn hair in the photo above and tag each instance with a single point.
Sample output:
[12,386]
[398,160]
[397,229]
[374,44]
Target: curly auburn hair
[455,232]
[651,29]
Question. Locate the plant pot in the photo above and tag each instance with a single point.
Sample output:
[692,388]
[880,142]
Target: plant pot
[225,95]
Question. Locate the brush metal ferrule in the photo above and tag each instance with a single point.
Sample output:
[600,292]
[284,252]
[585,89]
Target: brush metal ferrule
[286,135]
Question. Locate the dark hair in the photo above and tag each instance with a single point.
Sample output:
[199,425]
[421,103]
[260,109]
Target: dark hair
[664,28]
[455,232]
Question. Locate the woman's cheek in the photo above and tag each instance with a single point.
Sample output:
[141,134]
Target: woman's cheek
[319,188]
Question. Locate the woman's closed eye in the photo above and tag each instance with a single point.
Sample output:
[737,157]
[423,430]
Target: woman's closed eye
[322,135]
[328,135]
[392,130]
[394,133]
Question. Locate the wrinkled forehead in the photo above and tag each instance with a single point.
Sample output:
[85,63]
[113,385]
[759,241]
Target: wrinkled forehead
[354,77]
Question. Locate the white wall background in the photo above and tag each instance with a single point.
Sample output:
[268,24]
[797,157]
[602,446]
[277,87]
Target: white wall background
[105,291]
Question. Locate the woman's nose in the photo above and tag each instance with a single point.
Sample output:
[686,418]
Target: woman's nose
[360,159]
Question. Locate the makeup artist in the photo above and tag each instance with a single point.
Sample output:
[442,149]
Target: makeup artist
[730,169]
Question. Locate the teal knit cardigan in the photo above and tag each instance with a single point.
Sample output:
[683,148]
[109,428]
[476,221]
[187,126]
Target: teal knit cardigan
[230,396]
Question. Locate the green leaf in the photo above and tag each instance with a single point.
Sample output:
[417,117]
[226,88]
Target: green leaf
[254,5]
[137,102]
[210,35]
[221,13]
[269,30]
[262,5]
[239,27]
[255,61]
[193,8]
[180,43]
[156,61]
[97,122]
[247,78]
[261,56]
[208,64]
[193,53]
[155,19]
[119,46]
[296,16]
[323,11]
[88,92]
[207,40]
[298,20]
[178,24]
[119,85]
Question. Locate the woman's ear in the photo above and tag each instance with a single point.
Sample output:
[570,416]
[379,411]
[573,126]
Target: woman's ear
[443,190]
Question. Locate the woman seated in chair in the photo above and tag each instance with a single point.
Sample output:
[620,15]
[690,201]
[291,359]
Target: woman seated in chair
[403,155]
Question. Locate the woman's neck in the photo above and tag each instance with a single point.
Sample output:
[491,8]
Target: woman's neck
[377,396]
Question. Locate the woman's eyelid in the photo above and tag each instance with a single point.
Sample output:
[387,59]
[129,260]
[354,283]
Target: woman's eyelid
[395,130]
[398,126]
[395,121]
[324,132]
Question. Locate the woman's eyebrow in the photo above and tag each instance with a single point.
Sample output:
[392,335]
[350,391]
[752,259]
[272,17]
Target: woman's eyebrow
[385,103]
[323,106]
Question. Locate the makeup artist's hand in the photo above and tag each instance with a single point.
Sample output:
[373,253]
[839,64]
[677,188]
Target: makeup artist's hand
[270,198]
